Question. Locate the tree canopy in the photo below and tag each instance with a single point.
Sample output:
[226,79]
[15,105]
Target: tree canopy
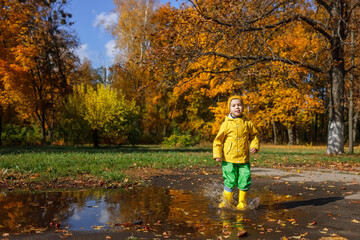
[295,64]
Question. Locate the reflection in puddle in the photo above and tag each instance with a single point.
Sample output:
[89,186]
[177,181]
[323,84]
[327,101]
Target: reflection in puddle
[158,210]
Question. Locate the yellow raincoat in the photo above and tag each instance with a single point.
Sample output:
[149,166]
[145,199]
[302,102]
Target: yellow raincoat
[234,139]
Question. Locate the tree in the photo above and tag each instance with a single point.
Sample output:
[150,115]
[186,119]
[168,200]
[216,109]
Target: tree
[38,58]
[103,109]
[132,31]
[222,26]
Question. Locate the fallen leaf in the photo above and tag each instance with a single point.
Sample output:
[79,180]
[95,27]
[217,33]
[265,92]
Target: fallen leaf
[323,232]
[97,227]
[65,235]
[355,221]
[127,224]
[271,220]
[242,233]
[333,237]
[301,236]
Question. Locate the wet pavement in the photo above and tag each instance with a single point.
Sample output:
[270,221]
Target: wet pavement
[288,204]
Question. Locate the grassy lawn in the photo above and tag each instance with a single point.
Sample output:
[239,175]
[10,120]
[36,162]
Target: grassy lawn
[315,156]
[47,164]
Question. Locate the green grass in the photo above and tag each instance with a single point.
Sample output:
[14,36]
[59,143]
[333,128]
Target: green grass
[109,163]
[315,156]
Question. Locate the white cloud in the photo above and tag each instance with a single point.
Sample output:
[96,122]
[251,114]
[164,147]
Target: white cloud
[83,52]
[104,216]
[104,20]
[111,50]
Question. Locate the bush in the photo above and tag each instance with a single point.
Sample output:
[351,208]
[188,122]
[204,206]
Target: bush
[19,135]
[178,139]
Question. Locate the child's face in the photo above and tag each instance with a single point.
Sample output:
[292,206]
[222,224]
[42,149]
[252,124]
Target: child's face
[236,107]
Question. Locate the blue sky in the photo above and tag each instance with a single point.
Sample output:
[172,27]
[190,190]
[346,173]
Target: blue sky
[91,17]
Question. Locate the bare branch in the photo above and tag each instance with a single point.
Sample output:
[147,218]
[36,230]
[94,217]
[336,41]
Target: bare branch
[318,26]
[353,8]
[324,4]
[352,68]
[268,59]
[196,6]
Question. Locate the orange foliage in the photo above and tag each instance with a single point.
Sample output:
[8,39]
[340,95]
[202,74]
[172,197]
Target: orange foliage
[272,91]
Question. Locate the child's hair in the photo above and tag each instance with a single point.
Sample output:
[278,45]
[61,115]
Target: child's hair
[232,98]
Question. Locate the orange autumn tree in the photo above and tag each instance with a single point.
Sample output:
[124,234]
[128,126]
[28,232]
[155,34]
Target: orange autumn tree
[329,20]
[352,85]
[131,74]
[207,79]
[162,105]
[241,35]
[186,99]
[277,103]
[38,58]
[14,18]
[131,32]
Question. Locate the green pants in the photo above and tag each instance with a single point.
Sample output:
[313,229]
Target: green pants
[236,174]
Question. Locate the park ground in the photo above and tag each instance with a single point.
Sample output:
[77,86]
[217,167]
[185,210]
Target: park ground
[325,202]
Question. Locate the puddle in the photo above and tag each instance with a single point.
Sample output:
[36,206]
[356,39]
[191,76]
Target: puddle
[150,209]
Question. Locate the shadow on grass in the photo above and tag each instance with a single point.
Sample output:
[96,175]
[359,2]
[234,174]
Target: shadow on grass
[103,149]
[286,153]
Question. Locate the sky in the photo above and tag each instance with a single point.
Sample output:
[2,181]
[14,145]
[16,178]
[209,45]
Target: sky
[90,18]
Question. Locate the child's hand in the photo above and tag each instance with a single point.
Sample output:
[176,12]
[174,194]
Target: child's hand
[218,159]
[253,150]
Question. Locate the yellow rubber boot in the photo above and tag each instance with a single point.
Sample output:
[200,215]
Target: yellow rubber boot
[242,200]
[227,198]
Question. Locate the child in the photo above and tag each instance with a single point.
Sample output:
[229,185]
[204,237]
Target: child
[231,148]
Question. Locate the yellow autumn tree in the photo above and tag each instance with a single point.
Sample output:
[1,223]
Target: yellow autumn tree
[106,112]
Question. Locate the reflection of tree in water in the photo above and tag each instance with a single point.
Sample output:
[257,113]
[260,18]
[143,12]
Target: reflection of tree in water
[21,211]
[190,213]
[179,211]
[147,204]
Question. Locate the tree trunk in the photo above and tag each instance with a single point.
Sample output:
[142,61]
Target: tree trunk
[96,138]
[290,131]
[315,138]
[356,119]
[297,136]
[351,100]
[351,121]
[335,141]
[41,119]
[274,132]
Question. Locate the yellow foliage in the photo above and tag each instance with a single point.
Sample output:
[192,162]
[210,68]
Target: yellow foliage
[97,106]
